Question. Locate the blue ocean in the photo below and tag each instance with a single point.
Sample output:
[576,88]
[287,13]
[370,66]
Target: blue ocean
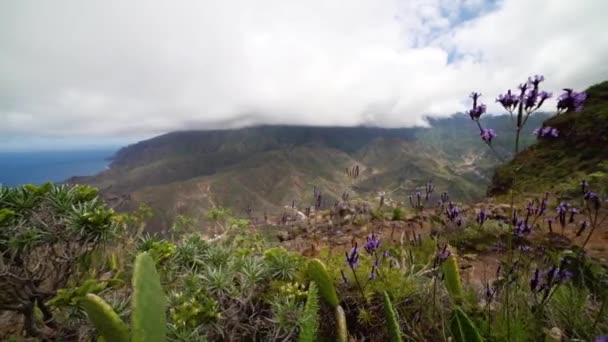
[55,166]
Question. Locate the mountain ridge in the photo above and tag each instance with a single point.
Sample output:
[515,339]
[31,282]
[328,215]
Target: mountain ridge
[264,168]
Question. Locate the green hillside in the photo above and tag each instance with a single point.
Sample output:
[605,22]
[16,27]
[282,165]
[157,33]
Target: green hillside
[266,168]
[581,152]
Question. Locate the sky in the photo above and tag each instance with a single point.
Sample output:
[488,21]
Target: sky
[79,74]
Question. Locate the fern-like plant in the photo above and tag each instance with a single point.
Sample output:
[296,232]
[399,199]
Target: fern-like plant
[391,320]
[309,324]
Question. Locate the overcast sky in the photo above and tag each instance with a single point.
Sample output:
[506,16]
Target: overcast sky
[83,73]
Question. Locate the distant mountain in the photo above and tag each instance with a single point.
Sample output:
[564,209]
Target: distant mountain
[560,164]
[268,167]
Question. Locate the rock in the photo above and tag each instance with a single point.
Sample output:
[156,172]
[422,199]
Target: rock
[283,236]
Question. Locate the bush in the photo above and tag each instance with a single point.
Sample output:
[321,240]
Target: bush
[45,232]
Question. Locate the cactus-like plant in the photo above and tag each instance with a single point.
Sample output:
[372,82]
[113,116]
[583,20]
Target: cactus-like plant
[148,320]
[463,329]
[318,273]
[148,306]
[342,330]
[452,278]
[391,320]
[309,324]
[107,322]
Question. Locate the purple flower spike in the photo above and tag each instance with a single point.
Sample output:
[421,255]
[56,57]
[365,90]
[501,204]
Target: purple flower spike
[571,100]
[546,132]
[584,186]
[489,292]
[582,226]
[475,96]
[535,280]
[601,338]
[372,242]
[352,259]
[482,217]
[477,111]
[509,101]
[550,223]
[344,279]
[487,135]
[534,82]
[444,254]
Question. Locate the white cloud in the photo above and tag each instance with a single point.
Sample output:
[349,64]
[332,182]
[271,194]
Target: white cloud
[108,69]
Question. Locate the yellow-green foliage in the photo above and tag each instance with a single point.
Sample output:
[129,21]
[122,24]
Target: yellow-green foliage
[463,329]
[309,323]
[107,322]
[391,319]
[318,273]
[452,278]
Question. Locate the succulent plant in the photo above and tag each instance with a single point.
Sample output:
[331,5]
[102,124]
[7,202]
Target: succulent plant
[391,319]
[148,307]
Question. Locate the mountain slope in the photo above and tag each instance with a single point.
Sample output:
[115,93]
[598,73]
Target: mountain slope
[580,152]
[267,167]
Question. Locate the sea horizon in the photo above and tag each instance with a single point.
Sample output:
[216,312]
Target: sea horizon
[38,167]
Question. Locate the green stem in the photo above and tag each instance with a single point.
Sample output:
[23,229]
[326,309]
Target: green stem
[600,313]
[517,141]
[358,284]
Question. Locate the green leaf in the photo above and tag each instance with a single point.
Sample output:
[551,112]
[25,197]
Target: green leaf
[149,302]
[463,329]
[341,324]
[452,278]
[391,320]
[105,320]
[309,323]
[318,273]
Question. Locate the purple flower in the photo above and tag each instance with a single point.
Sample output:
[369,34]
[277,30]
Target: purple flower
[476,112]
[344,279]
[482,217]
[582,226]
[489,293]
[352,259]
[535,281]
[475,96]
[487,135]
[452,211]
[601,338]
[584,186]
[530,99]
[444,254]
[509,101]
[525,249]
[590,195]
[571,100]
[385,254]
[522,87]
[372,242]
[550,223]
[573,211]
[546,132]
[593,198]
[522,228]
[534,82]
